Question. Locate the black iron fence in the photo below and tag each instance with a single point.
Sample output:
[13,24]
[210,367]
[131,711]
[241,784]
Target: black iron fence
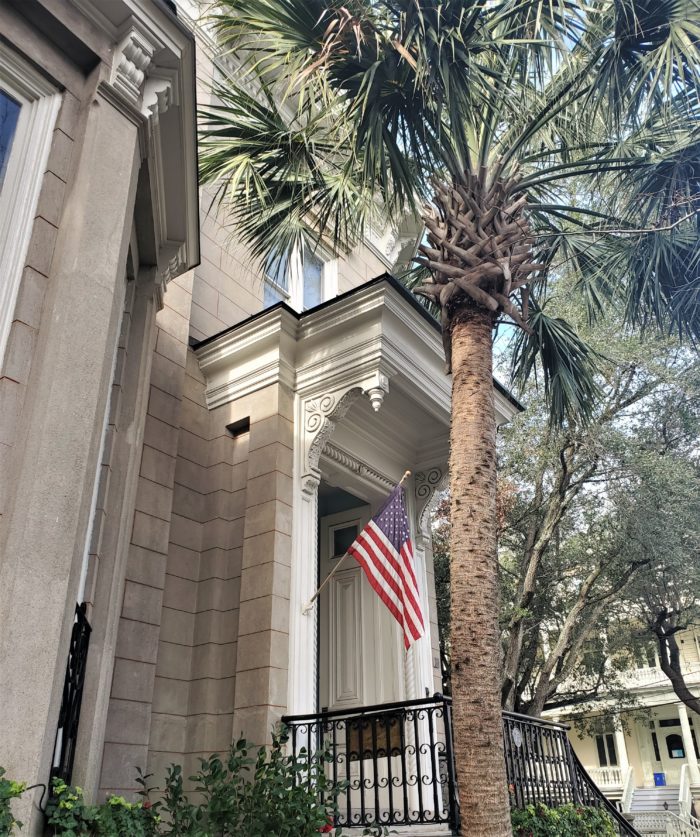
[394,761]
[69,716]
[542,767]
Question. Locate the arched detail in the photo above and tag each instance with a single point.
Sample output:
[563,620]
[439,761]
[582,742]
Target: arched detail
[321,414]
[429,482]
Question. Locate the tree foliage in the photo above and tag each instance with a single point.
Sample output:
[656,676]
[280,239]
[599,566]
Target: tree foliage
[605,523]
[525,134]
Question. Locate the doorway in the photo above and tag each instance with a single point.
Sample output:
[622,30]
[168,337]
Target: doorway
[361,660]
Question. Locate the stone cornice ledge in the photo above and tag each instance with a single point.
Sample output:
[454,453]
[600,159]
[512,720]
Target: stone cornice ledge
[258,354]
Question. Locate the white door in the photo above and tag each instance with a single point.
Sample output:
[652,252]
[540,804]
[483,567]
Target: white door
[361,664]
[361,652]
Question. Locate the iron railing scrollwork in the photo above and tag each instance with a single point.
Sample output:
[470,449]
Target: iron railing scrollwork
[69,715]
[542,767]
[394,761]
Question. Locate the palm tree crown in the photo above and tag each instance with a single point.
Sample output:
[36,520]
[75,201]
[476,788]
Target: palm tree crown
[524,133]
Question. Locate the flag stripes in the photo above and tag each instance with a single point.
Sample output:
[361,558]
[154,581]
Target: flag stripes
[384,551]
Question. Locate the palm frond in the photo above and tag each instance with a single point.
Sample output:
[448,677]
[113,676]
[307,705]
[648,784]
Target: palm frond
[567,364]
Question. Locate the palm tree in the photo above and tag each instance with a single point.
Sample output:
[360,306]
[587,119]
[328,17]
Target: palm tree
[524,134]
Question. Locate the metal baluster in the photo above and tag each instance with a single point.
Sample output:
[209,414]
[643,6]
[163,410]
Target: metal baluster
[390,773]
[451,772]
[334,745]
[419,772]
[404,783]
[433,755]
[348,801]
[375,766]
[362,771]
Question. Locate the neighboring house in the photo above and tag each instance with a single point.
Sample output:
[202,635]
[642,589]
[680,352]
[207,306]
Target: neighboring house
[650,762]
[185,452]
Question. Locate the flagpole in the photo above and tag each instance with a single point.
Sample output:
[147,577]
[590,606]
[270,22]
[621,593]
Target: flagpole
[307,607]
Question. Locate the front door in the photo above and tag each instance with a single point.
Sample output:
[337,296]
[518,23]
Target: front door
[361,655]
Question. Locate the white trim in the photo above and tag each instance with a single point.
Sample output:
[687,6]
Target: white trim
[24,177]
[293,294]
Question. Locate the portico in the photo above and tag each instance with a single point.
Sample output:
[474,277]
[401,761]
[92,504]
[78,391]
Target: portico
[361,380]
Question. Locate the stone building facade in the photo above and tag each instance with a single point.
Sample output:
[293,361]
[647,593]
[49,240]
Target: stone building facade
[186,439]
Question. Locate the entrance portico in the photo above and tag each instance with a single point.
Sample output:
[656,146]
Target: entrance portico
[362,380]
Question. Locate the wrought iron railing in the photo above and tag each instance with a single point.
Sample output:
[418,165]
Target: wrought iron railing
[542,767]
[394,761]
[69,715]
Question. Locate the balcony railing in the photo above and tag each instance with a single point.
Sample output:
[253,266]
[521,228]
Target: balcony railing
[394,763]
[69,715]
[607,777]
[393,760]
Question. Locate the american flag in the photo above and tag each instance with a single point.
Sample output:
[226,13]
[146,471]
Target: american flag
[385,553]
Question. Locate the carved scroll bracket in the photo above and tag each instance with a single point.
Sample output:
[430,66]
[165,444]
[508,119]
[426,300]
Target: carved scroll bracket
[428,482]
[321,413]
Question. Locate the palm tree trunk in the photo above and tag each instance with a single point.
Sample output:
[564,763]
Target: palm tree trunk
[476,658]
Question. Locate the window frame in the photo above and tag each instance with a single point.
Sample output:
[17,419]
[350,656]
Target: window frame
[294,294]
[39,102]
[607,750]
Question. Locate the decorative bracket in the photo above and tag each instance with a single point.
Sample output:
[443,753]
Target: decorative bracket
[428,482]
[321,413]
[132,58]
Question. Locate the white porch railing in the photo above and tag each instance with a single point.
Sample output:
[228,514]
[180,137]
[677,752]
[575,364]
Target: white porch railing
[685,798]
[606,777]
[651,675]
[627,791]
[665,824]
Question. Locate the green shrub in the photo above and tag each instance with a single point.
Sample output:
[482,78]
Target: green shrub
[9,790]
[566,821]
[268,792]
[69,816]
[254,792]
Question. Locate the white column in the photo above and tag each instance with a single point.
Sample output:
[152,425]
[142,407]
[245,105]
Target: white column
[690,756]
[621,747]
[303,662]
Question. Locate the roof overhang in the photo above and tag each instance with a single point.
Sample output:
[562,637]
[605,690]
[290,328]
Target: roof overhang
[377,335]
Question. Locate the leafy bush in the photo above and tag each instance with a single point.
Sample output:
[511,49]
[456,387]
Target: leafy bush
[9,790]
[69,816]
[253,792]
[565,821]
[260,795]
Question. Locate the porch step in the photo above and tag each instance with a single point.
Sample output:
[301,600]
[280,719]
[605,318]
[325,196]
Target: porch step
[653,799]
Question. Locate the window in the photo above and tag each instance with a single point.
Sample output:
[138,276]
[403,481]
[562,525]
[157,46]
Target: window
[9,114]
[607,754]
[301,280]
[28,109]
[343,538]
[674,745]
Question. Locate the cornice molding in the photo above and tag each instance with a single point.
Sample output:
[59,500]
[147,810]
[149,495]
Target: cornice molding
[151,74]
[351,463]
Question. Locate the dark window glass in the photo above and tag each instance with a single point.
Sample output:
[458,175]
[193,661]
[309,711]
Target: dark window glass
[655,742]
[674,745]
[277,273]
[313,280]
[612,752]
[342,539]
[670,722]
[695,743]
[602,755]
[9,114]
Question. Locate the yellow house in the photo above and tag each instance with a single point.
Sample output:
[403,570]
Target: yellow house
[648,762]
